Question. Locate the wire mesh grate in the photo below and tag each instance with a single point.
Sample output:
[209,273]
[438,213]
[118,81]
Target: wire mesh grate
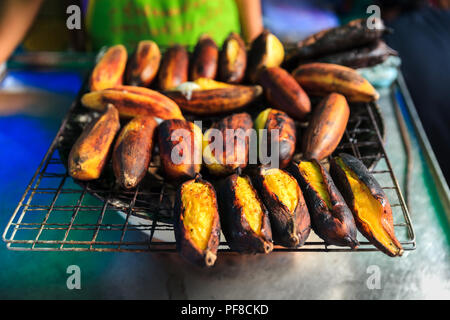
[58,214]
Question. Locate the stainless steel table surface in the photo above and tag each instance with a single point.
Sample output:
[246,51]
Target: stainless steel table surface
[420,274]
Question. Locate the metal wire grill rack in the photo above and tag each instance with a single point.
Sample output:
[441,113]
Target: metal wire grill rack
[57,214]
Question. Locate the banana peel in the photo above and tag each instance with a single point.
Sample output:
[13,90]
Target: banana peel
[368,202]
[133,150]
[321,79]
[235,132]
[197,223]
[133,101]
[209,97]
[233,59]
[110,70]
[204,59]
[144,64]
[90,152]
[326,127]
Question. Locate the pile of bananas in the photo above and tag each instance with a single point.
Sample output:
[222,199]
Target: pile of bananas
[264,205]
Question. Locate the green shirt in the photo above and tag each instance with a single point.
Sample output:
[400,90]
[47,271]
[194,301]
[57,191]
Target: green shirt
[167,22]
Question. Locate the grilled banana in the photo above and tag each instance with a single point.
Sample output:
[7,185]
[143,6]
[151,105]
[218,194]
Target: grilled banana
[133,101]
[323,78]
[204,59]
[331,219]
[109,71]
[180,147]
[144,64]
[289,217]
[233,59]
[89,153]
[326,127]
[174,68]
[244,218]
[272,119]
[197,224]
[356,33]
[266,51]
[234,132]
[132,151]
[368,202]
[284,93]
[209,97]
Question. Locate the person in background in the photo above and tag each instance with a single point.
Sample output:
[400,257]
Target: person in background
[422,38]
[128,21]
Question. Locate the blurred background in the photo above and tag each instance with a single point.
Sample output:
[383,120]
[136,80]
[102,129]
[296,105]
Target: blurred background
[53,60]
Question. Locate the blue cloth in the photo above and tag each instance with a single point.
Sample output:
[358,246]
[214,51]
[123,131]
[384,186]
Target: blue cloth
[293,21]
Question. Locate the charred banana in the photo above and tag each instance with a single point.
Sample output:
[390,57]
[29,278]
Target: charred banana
[244,218]
[233,59]
[209,97]
[144,64]
[132,151]
[368,202]
[109,71]
[197,223]
[204,59]
[234,132]
[356,33]
[364,57]
[133,101]
[174,68]
[326,128]
[289,217]
[272,119]
[89,153]
[284,93]
[323,78]
[266,52]
[331,219]
[180,147]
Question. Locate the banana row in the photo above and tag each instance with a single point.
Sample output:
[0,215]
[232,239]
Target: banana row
[273,206]
[176,65]
[189,81]
[357,44]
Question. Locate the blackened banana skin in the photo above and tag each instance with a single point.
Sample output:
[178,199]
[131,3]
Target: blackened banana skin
[334,223]
[354,34]
[174,69]
[364,57]
[187,248]
[132,151]
[204,60]
[237,231]
[290,228]
[233,59]
[182,138]
[272,119]
[237,156]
